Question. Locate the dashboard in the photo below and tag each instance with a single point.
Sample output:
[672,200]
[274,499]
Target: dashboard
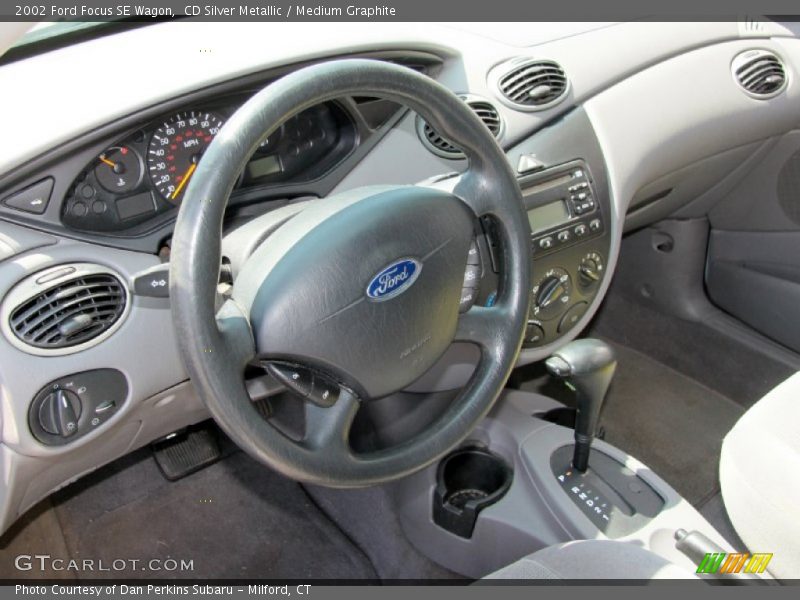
[92,187]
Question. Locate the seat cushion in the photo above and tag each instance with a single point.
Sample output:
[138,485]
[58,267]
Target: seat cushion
[759,475]
[592,559]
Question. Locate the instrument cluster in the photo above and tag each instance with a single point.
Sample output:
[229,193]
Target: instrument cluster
[146,173]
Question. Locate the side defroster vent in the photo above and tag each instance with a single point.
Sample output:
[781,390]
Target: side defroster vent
[760,73]
[64,309]
[485,111]
[532,84]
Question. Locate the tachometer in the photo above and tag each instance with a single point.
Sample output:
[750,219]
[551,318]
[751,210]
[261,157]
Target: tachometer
[176,148]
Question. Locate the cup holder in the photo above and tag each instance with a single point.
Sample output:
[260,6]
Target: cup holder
[467,481]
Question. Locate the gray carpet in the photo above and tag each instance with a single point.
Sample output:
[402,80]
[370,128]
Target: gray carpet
[692,349]
[234,519]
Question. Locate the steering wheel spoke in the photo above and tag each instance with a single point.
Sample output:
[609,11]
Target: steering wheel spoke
[328,428]
[235,333]
[484,326]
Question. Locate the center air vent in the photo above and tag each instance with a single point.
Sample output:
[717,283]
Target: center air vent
[531,84]
[760,73]
[439,145]
[64,309]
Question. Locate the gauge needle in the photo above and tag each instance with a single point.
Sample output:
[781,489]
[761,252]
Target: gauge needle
[186,177]
[110,163]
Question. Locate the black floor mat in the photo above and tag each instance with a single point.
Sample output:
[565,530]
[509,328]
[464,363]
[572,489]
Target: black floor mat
[233,519]
[670,422]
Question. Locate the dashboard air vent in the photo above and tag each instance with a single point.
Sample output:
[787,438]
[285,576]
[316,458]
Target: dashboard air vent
[760,73]
[439,145]
[534,84]
[62,308]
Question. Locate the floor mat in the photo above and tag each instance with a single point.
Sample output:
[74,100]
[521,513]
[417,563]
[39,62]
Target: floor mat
[699,352]
[670,422]
[234,519]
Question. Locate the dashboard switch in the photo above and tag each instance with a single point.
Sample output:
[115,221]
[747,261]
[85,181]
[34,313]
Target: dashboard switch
[59,413]
[32,199]
[72,406]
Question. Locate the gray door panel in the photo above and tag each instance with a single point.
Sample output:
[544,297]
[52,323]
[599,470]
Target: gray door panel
[753,268]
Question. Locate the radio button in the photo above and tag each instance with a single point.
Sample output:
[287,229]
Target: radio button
[595,225]
[580,230]
[564,236]
[546,242]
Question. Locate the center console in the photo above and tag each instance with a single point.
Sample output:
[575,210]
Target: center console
[569,247]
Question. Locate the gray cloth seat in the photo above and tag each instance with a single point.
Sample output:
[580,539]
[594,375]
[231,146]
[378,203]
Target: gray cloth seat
[592,559]
[759,476]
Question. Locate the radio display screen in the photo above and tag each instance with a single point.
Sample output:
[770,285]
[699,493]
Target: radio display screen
[548,215]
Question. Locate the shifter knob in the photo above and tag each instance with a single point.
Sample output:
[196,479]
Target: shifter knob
[587,366]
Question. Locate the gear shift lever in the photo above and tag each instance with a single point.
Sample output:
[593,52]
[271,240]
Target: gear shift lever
[587,366]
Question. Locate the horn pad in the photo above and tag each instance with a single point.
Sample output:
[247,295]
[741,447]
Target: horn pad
[366,290]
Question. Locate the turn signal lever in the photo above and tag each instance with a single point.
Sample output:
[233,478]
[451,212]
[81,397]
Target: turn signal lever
[587,366]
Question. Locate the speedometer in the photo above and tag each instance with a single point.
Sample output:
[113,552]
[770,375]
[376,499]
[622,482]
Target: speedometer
[175,149]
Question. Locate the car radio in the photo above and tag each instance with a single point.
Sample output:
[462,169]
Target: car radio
[562,210]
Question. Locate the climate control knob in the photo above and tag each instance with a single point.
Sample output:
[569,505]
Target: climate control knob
[551,294]
[590,271]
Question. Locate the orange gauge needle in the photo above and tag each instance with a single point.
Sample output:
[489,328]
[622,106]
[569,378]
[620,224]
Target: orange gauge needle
[186,177]
[110,163]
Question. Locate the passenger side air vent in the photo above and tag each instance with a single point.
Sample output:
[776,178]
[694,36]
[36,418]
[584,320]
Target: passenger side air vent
[64,309]
[530,84]
[439,145]
[760,73]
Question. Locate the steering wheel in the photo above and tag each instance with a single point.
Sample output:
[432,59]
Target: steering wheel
[357,295]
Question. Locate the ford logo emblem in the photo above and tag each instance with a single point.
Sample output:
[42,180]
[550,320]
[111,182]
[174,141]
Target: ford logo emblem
[394,279]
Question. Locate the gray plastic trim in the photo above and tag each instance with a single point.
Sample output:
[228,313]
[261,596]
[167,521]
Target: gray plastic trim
[536,511]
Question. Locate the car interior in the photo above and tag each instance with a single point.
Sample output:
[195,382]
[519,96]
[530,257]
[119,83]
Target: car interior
[436,302]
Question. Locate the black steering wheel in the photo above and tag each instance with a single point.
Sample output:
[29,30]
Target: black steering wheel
[361,288]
